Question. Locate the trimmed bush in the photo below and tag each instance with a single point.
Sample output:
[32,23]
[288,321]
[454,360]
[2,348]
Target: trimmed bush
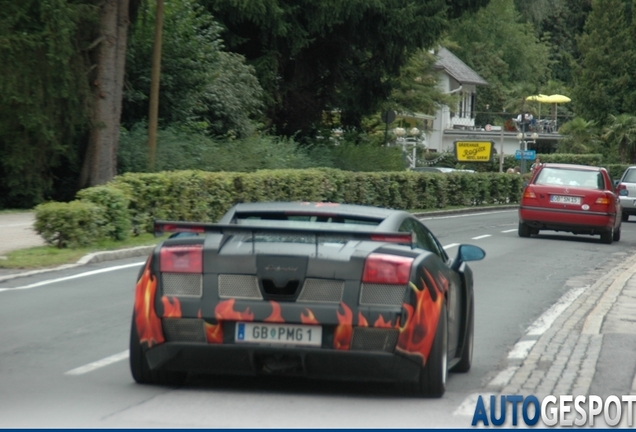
[73,224]
[115,203]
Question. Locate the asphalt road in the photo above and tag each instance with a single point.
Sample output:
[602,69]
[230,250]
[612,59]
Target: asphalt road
[53,333]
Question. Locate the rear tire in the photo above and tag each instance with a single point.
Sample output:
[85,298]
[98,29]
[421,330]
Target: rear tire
[617,234]
[140,370]
[624,217]
[466,359]
[607,236]
[433,376]
[524,230]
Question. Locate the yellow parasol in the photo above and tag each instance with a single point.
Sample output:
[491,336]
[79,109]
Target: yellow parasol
[538,98]
[557,98]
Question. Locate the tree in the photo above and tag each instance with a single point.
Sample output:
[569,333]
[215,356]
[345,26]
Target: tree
[620,133]
[579,136]
[504,50]
[605,82]
[316,56]
[44,96]
[100,161]
[201,84]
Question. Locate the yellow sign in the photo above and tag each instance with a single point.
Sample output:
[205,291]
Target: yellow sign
[473,151]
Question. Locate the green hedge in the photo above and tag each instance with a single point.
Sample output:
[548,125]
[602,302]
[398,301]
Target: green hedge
[73,224]
[131,202]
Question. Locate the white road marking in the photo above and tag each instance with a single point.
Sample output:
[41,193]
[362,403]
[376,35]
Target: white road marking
[79,275]
[481,237]
[503,377]
[521,349]
[466,215]
[541,324]
[448,246]
[98,364]
[467,408]
[510,230]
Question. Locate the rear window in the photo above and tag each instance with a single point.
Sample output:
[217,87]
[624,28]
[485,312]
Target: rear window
[307,221]
[568,177]
[630,176]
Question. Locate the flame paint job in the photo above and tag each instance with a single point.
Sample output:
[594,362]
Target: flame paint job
[146,320]
[225,311]
[171,307]
[418,332]
[275,316]
[309,318]
[344,331]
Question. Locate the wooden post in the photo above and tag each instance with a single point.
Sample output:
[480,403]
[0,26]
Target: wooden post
[153,113]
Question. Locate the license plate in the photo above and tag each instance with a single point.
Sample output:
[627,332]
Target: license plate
[565,199]
[283,334]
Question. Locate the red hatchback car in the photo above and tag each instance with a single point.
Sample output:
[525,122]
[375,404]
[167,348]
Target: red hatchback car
[574,198]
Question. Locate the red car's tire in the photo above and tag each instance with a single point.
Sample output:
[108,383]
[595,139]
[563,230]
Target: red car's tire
[524,230]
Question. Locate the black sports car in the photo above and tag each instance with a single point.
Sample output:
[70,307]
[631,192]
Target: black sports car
[320,290]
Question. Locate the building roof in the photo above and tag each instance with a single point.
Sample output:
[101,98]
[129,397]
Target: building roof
[457,69]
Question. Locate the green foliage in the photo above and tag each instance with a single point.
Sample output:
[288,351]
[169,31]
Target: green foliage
[115,204]
[43,94]
[606,83]
[620,134]
[367,157]
[202,196]
[200,84]
[73,224]
[579,159]
[504,51]
[580,136]
[328,55]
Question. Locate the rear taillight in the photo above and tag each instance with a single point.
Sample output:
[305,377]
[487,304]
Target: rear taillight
[603,200]
[182,259]
[621,190]
[529,193]
[393,238]
[387,269]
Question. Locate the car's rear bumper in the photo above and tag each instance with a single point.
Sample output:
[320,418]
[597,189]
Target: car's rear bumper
[311,363]
[576,221]
[628,204]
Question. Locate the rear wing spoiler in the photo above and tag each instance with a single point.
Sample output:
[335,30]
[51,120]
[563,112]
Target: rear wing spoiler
[161,227]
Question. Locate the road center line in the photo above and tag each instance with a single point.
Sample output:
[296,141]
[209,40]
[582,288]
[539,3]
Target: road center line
[98,364]
[510,230]
[481,237]
[79,275]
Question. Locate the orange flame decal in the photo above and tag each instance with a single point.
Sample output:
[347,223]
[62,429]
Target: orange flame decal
[171,307]
[146,320]
[225,311]
[275,316]
[362,321]
[309,318]
[418,332]
[380,323]
[343,333]
[213,333]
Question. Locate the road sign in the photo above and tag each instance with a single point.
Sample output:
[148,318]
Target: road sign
[527,155]
[474,151]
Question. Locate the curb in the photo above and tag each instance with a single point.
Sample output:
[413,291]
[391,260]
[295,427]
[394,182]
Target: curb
[91,258]
[467,210]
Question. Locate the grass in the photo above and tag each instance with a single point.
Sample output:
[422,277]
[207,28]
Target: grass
[49,256]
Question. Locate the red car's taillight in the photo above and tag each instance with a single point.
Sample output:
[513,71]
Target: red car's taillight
[387,269]
[182,259]
[604,200]
[529,193]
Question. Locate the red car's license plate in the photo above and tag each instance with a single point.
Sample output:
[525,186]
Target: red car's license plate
[565,199]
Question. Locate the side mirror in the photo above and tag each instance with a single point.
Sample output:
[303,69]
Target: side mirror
[466,253]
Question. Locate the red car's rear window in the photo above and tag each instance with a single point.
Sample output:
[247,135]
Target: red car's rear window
[570,177]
